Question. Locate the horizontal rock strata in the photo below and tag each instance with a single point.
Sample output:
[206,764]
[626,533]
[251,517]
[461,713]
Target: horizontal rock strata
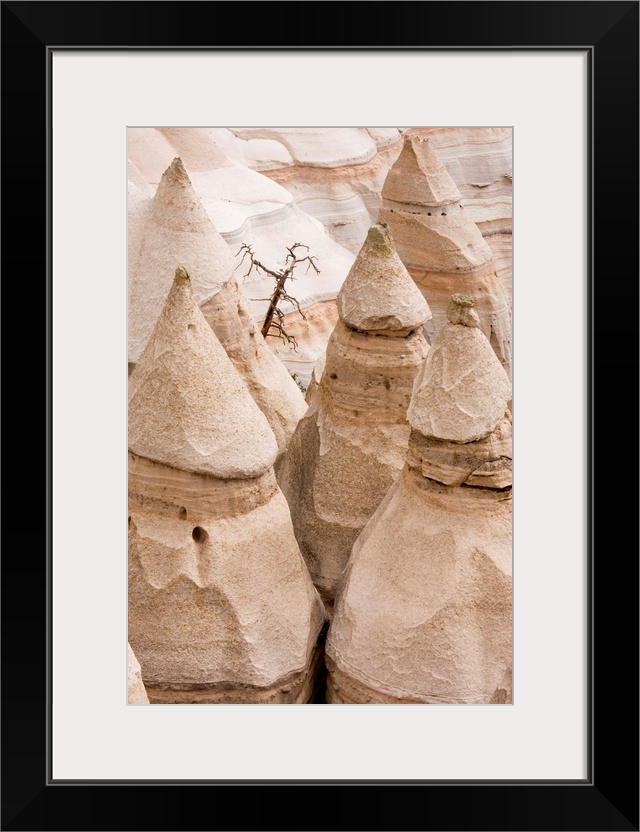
[351,443]
[424,610]
[221,604]
[441,246]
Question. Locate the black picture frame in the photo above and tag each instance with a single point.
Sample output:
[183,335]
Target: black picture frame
[608,798]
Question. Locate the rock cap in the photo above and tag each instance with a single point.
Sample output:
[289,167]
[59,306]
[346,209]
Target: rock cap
[463,391]
[461,311]
[379,293]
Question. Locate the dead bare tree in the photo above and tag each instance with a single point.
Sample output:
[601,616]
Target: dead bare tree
[274,319]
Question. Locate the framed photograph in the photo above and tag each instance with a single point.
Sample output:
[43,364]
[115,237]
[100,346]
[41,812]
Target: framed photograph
[563,77]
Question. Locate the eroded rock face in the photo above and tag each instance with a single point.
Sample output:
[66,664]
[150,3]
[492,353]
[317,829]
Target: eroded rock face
[336,175]
[270,384]
[351,444]
[312,335]
[479,160]
[377,296]
[460,407]
[166,231]
[137,695]
[221,604]
[173,228]
[441,246]
[186,408]
[424,611]
[246,206]
[270,186]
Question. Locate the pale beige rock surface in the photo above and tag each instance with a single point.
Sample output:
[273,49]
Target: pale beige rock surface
[345,197]
[424,614]
[351,444]
[269,382]
[330,147]
[479,160]
[245,207]
[173,229]
[136,693]
[418,177]
[205,420]
[138,187]
[377,294]
[312,335]
[221,604]
[149,151]
[424,610]
[336,178]
[316,375]
[463,391]
[169,230]
[441,246]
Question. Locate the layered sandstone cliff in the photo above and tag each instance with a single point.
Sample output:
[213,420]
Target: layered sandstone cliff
[480,162]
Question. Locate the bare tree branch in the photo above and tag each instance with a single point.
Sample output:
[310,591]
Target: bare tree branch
[275,316]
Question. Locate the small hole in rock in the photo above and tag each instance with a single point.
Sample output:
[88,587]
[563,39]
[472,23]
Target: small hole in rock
[182,514]
[129,521]
[333,375]
[191,326]
[199,534]
[428,213]
[443,214]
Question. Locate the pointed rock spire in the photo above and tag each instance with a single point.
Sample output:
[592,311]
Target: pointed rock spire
[418,177]
[379,293]
[188,406]
[221,604]
[174,228]
[169,229]
[463,391]
[440,244]
[423,612]
[176,204]
[351,444]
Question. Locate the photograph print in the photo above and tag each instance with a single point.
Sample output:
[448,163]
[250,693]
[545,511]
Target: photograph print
[319,415]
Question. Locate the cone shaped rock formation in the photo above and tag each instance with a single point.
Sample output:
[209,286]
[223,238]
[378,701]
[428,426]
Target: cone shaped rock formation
[442,248]
[221,604]
[174,228]
[377,511]
[351,444]
[423,614]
